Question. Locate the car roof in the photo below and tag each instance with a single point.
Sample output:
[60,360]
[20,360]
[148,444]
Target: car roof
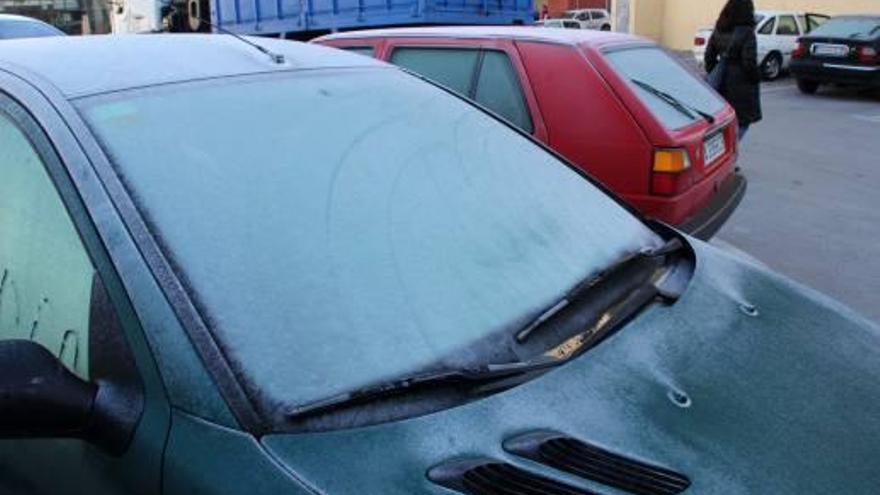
[85,65]
[525,33]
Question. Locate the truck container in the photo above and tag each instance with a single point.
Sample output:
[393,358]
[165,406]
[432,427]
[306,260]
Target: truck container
[305,19]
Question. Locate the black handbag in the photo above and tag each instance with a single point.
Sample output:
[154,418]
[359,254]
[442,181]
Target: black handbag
[719,72]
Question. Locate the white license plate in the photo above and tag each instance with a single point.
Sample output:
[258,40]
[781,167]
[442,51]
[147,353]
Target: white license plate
[827,50]
[714,147]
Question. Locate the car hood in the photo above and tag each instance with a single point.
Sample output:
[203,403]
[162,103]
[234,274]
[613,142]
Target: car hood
[750,383]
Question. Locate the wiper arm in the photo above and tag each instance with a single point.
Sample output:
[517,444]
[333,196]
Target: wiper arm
[674,102]
[574,294]
[400,386]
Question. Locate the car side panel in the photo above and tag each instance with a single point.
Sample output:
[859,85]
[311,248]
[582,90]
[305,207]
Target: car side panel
[586,122]
[206,458]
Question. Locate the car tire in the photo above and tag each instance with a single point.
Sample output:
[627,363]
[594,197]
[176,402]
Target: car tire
[807,87]
[606,27]
[771,67]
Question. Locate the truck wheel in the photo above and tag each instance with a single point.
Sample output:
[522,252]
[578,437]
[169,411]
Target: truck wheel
[606,27]
[771,67]
[807,87]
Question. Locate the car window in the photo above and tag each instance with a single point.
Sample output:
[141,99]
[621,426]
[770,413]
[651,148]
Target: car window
[46,276]
[365,226]
[850,27]
[26,29]
[451,67]
[787,26]
[499,89]
[653,66]
[599,15]
[360,50]
[814,21]
[768,26]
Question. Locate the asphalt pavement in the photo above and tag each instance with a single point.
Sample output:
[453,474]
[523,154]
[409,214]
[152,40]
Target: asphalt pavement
[812,210]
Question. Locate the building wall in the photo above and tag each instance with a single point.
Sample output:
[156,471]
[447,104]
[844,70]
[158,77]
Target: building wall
[674,22]
[646,18]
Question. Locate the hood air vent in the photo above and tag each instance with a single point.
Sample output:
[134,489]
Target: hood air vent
[596,464]
[490,477]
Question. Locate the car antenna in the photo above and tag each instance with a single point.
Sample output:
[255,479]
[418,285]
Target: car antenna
[274,57]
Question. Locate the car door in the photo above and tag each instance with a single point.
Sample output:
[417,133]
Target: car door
[60,290]
[766,38]
[787,33]
[585,19]
[486,71]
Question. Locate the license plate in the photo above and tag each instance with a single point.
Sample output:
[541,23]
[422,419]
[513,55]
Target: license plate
[828,50]
[714,147]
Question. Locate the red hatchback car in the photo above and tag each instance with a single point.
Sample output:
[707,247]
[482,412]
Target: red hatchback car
[617,106]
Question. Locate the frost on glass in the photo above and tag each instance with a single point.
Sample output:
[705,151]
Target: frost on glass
[344,227]
[653,66]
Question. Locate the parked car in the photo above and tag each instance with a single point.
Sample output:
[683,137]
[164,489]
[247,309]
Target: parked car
[845,50]
[16,26]
[598,19]
[625,112]
[345,280]
[558,23]
[777,33]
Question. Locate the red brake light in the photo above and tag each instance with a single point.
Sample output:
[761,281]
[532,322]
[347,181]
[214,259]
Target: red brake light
[868,55]
[799,50]
[699,41]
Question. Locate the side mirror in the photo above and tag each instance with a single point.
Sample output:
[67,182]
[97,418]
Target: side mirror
[39,397]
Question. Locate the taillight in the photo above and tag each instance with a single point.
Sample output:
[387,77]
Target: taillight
[800,50]
[699,41]
[867,55]
[669,165]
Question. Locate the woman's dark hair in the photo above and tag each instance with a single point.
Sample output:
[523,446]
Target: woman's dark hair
[736,13]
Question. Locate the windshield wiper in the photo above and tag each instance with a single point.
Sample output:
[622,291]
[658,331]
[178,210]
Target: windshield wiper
[579,290]
[674,102]
[604,323]
[468,376]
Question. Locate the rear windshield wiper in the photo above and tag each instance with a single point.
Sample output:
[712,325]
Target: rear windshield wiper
[465,376]
[670,247]
[674,102]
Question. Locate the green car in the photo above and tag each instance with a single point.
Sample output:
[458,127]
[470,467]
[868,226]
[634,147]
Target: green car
[251,266]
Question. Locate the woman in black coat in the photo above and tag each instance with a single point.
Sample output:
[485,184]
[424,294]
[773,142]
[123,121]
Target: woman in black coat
[734,39]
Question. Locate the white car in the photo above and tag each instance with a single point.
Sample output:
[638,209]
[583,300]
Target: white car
[559,23]
[777,31]
[590,18]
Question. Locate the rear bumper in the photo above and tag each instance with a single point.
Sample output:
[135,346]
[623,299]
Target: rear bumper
[705,223]
[836,72]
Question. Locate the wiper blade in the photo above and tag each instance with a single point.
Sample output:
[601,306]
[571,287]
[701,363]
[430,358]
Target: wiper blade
[575,293]
[400,386]
[674,102]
